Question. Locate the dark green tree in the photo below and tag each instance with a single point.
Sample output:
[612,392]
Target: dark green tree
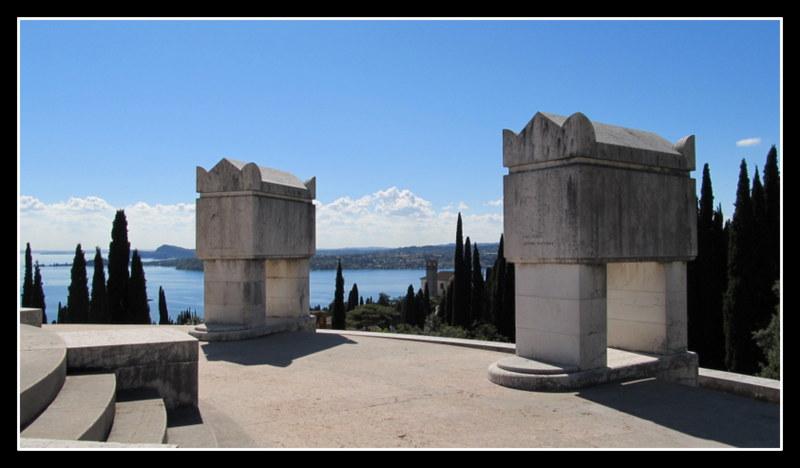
[27,282]
[764,296]
[460,280]
[739,304]
[352,298]
[423,305]
[118,276]
[163,313]
[477,301]
[98,306]
[408,307]
[509,329]
[37,296]
[706,281]
[467,319]
[772,202]
[769,340]
[339,314]
[138,308]
[78,297]
[503,319]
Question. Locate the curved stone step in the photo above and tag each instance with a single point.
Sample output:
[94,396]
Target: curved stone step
[140,417]
[42,370]
[83,410]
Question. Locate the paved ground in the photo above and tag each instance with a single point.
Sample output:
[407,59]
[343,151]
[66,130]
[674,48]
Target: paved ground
[326,390]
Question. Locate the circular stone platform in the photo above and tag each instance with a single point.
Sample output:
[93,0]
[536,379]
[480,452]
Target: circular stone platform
[528,366]
[528,374]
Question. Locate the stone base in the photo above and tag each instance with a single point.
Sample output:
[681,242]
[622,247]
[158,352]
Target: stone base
[526,374]
[223,332]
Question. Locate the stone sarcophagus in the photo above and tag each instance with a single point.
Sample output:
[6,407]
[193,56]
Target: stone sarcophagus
[255,235]
[599,221]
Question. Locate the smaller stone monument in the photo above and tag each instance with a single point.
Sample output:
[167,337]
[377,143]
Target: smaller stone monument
[255,234]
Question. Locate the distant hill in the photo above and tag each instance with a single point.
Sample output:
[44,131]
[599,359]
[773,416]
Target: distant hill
[167,251]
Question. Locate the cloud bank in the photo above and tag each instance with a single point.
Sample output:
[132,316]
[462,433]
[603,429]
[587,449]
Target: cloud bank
[398,218]
[87,221]
[387,218]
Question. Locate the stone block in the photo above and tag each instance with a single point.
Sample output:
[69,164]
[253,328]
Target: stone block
[247,211]
[581,213]
[160,358]
[30,316]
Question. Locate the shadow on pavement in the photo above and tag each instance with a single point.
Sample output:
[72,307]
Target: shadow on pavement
[699,412]
[279,349]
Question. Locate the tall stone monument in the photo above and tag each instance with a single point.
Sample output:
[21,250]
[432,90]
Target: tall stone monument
[600,221]
[255,235]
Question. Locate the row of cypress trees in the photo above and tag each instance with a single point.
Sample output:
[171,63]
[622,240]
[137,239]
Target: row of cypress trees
[32,287]
[732,281]
[471,301]
[121,299]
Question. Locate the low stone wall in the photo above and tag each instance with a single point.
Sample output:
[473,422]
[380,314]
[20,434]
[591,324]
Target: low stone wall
[30,316]
[747,386]
[154,357]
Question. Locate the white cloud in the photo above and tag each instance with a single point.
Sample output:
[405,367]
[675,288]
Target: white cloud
[387,218]
[749,142]
[397,218]
[495,202]
[461,206]
[87,221]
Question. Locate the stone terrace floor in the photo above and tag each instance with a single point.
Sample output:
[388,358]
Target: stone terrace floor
[334,390]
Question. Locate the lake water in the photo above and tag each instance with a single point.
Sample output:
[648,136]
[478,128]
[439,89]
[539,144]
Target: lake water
[184,289]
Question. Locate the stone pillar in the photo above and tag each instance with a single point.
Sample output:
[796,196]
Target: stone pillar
[561,313]
[647,307]
[255,235]
[599,221]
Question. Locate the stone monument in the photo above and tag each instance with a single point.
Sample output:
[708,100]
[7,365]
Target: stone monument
[599,221]
[255,235]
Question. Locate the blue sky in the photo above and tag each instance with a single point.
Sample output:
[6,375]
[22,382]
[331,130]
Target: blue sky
[400,120]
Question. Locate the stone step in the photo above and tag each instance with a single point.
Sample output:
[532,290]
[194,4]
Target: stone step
[42,370]
[83,410]
[140,417]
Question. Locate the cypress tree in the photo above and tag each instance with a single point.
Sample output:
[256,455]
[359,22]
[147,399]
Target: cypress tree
[498,290]
[458,302]
[423,308]
[98,307]
[339,314]
[163,313]
[37,296]
[741,354]
[772,202]
[717,284]
[408,310]
[118,276]
[466,317]
[27,282]
[509,329]
[762,291]
[78,297]
[705,282]
[138,309]
[477,301]
[352,298]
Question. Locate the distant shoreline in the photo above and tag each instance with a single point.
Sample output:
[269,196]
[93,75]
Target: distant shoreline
[402,258]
